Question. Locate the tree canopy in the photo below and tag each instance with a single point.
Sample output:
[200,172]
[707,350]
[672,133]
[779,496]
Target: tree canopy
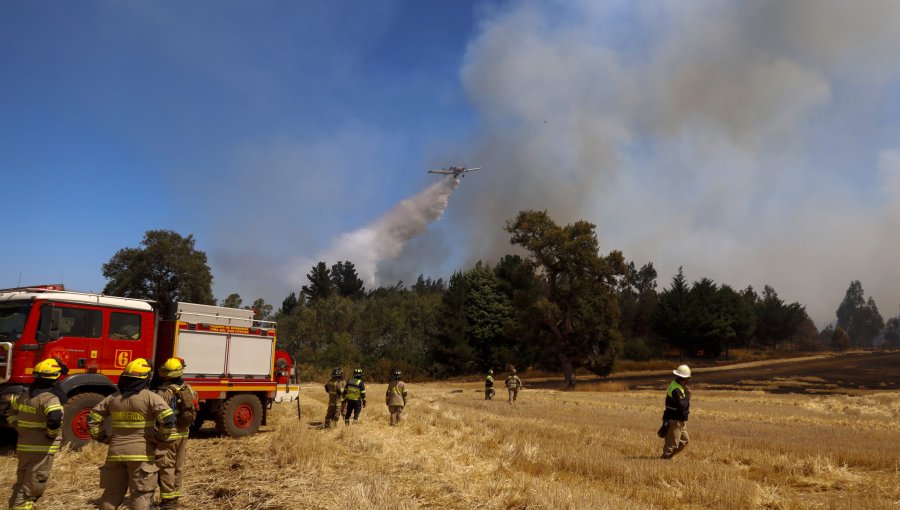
[561,306]
[577,303]
[166,267]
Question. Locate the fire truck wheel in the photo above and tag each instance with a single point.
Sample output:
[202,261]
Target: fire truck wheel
[239,416]
[75,413]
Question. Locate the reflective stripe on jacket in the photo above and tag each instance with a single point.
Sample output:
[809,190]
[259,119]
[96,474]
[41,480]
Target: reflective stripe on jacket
[355,390]
[169,393]
[38,420]
[139,422]
[335,389]
[396,394]
[678,404]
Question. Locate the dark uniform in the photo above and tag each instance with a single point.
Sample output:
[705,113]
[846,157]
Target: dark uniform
[355,395]
[37,416]
[678,407]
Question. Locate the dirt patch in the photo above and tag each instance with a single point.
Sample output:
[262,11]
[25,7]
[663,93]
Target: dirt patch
[841,373]
[856,371]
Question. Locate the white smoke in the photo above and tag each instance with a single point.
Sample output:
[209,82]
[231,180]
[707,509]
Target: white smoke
[741,140]
[385,238]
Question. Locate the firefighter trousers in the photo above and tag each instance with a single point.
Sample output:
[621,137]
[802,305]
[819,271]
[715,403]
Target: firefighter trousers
[137,478]
[171,466]
[353,408]
[676,438]
[331,415]
[513,393]
[32,474]
[396,414]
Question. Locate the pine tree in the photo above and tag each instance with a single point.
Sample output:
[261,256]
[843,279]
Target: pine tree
[320,285]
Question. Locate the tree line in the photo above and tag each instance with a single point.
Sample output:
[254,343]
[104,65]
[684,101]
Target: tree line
[562,306]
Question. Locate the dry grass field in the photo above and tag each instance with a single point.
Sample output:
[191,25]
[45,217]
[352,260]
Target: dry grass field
[551,450]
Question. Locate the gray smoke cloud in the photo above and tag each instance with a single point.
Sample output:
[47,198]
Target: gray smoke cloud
[745,141]
[384,240]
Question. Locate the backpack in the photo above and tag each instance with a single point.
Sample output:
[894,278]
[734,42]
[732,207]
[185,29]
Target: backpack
[185,407]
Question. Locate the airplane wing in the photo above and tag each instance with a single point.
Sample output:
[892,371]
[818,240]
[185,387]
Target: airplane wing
[472,169]
[442,172]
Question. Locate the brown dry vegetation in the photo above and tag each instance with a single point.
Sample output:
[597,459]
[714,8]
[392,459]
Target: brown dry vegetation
[552,450]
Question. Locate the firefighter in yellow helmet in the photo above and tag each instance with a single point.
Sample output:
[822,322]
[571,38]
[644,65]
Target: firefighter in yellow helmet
[37,415]
[513,385]
[171,455]
[355,395]
[335,390]
[139,421]
[396,397]
[489,385]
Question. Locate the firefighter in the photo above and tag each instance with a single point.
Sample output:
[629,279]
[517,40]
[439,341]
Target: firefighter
[335,390]
[513,384]
[139,420]
[37,415]
[678,407]
[489,385]
[395,397]
[170,455]
[355,395]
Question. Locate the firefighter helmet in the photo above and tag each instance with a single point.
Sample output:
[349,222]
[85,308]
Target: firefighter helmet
[139,369]
[491,371]
[683,371]
[47,369]
[337,373]
[397,374]
[357,372]
[172,368]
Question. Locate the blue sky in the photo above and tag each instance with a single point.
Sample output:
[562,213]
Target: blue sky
[118,117]
[751,142]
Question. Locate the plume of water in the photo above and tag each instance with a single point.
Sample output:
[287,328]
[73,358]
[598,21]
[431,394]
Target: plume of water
[384,238]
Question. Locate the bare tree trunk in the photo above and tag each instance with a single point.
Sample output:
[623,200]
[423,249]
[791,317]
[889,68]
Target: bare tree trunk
[568,370]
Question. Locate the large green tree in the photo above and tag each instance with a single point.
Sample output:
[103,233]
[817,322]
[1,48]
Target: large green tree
[320,284]
[670,319]
[166,268]
[777,321]
[346,281]
[858,317]
[578,305]
[232,301]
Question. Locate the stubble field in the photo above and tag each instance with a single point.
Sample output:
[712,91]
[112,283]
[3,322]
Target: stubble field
[551,450]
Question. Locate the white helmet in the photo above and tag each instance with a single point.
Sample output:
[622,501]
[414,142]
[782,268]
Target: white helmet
[683,371]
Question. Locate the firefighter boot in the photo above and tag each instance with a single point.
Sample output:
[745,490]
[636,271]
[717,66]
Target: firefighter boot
[168,504]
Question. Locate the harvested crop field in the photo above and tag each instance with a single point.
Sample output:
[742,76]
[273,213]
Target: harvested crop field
[551,450]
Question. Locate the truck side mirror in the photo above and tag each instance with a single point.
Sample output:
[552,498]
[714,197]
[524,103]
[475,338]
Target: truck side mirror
[48,330]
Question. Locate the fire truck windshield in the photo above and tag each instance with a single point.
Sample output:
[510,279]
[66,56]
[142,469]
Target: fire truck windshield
[13,315]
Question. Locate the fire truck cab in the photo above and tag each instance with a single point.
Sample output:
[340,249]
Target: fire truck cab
[230,358]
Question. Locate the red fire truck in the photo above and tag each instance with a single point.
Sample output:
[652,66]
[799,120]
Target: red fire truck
[230,358]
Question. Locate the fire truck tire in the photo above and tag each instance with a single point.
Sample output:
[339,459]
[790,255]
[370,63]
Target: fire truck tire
[239,416]
[75,413]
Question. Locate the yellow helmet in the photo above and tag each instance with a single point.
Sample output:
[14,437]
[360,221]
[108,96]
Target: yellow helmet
[172,368]
[47,369]
[139,369]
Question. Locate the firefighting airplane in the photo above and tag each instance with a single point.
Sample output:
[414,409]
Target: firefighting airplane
[455,171]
